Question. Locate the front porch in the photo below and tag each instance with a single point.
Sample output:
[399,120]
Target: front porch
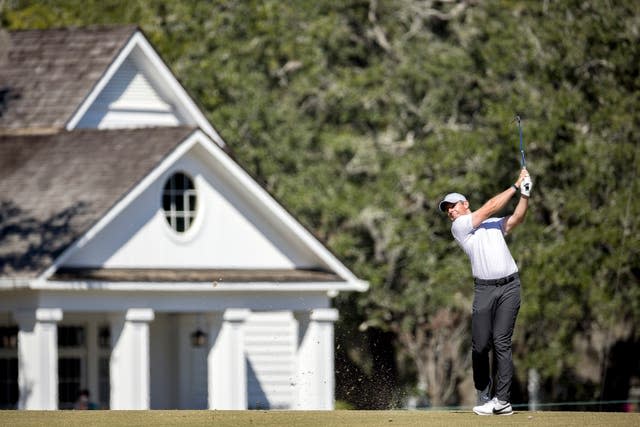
[144,358]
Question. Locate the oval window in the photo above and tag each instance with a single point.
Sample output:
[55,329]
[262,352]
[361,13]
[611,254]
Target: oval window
[179,202]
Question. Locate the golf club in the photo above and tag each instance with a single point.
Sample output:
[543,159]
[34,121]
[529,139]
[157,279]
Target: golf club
[523,162]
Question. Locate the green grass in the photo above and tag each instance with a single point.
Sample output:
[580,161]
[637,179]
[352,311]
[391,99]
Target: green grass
[312,418]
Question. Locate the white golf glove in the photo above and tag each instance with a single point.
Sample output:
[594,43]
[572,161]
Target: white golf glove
[525,186]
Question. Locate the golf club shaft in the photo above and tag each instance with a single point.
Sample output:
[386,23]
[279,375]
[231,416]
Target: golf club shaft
[523,162]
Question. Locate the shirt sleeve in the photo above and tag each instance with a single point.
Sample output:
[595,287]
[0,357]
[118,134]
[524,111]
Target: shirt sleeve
[503,225]
[462,227]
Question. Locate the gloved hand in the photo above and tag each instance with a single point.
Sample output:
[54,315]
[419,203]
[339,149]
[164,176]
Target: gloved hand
[525,186]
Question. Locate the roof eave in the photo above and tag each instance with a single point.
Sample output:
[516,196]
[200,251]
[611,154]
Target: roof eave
[10,283]
[315,287]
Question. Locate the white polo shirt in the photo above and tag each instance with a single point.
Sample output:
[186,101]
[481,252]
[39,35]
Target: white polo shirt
[485,246]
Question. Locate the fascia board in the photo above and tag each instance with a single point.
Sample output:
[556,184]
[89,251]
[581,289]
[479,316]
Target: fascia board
[128,198]
[14,283]
[195,286]
[277,211]
[96,300]
[160,71]
[187,104]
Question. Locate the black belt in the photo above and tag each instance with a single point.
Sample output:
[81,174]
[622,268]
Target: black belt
[496,282]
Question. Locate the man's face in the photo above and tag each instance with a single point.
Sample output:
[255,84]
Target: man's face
[454,210]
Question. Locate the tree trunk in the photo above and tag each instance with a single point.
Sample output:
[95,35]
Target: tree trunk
[438,349]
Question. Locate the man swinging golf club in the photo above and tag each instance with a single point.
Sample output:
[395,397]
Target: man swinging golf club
[496,299]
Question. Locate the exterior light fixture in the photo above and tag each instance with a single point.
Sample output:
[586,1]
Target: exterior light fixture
[198,338]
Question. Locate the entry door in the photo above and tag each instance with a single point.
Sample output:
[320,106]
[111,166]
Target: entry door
[83,363]
[9,391]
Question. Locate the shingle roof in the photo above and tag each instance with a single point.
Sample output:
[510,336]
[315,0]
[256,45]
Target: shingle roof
[195,275]
[47,74]
[53,188]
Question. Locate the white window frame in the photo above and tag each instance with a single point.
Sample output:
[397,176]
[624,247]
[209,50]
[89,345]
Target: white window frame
[76,352]
[188,213]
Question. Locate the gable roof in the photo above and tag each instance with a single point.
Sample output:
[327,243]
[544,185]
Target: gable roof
[50,79]
[329,268]
[54,187]
[43,79]
[57,187]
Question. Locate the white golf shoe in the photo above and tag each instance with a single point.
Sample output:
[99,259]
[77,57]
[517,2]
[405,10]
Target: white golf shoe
[502,408]
[494,407]
[487,408]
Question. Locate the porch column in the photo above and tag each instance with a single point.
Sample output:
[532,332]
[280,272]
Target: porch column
[38,357]
[129,364]
[315,365]
[227,367]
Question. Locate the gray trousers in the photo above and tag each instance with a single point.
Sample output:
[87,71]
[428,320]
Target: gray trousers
[495,309]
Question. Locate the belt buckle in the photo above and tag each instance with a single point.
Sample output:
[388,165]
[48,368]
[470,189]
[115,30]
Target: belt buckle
[510,278]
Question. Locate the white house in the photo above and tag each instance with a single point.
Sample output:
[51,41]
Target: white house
[138,260]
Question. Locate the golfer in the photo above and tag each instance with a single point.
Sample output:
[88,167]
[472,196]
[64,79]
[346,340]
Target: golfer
[496,298]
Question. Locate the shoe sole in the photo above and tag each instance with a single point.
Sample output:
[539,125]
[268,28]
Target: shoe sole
[492,413]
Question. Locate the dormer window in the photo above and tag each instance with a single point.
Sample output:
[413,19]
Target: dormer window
[179,202]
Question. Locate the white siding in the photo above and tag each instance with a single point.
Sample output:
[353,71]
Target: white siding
[270,345]
[130,99]
[228,232]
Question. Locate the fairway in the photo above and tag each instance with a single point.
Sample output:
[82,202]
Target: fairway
[311,418]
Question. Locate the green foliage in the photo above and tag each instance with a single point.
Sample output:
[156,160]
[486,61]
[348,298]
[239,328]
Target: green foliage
[359,115]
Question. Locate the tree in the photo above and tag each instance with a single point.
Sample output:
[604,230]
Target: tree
[359,115]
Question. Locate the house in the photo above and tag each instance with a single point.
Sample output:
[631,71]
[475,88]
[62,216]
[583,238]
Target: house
[138,260]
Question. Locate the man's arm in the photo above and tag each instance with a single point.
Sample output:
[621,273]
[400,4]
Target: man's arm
[518,214]
[498,202]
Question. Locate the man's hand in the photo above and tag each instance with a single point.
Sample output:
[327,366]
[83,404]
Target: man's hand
[525,186]
[523,174]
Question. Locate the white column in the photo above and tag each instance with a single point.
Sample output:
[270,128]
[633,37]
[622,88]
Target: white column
[227,366]
[315,365]
[129,364]
[38,357]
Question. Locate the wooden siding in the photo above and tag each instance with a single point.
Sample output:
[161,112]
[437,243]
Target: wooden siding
[270,345]
[130,100]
